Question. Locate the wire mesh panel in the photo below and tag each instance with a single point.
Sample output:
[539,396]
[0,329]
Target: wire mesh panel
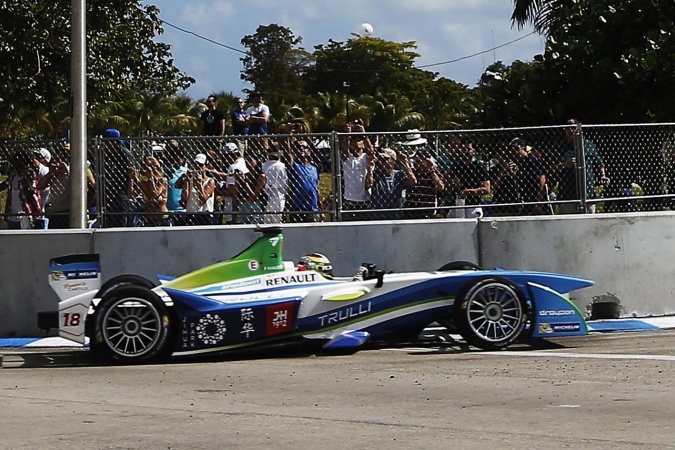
[344,176]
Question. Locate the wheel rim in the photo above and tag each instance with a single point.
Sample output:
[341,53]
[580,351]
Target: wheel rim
[131,326]
[495,312]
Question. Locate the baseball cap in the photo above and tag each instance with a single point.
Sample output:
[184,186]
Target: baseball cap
[111,133]
[231,148]
[43,153]
[200,159]
[518,143]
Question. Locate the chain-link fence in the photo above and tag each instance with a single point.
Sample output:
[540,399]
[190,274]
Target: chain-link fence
[164,181]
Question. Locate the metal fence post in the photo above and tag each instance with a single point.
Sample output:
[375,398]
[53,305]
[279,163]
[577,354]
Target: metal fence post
[581,168]
[99,176]
[336,165]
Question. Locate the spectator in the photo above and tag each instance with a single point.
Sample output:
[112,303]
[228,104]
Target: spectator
[42,157]
[175,168]
[469,180]
[566,168]
[356,153]
[199,193]
[519,179]
[58,181]
[216,169]
[252,186]
[425,191]
[236,170]
[389,184]
[303,184]
[445,160]
[276,186]
[413,141]
[212,121]
[239,118]
[117,164]
[154,187]
[258,115]
[23,207]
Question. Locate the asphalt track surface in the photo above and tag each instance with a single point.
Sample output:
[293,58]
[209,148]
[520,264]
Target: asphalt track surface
[603,391]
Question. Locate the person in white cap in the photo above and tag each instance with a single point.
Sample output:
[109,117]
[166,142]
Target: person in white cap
[199,192]
[236,170]
[42,158]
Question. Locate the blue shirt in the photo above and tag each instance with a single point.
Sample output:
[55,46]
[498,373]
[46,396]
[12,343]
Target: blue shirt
[387,192]
[304,186]
[236,129]
[173,193]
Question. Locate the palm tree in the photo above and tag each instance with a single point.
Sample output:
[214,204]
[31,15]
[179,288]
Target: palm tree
[391,112]
[536,12]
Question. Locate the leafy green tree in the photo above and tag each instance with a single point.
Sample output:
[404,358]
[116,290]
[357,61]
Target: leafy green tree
[122,54]
[364,65]
[445,105]
[273,61]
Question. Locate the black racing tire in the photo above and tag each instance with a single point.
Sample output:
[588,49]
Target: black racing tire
[459,265]
[122,280]
[491,313]
[132,325]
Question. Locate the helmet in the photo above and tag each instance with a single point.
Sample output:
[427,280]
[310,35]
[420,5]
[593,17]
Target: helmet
[318,263]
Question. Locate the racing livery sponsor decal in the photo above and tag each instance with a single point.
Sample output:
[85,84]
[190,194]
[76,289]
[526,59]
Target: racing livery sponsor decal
[277,267]
[253,265]
[280,318]
[59,275]
[241,284]
[342,314]
[290,279]
[550,328]
[554,312]
[235,325]
[81,286]
[211,329]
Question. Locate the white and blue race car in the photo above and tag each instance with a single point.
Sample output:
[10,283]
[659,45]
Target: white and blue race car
[257,299]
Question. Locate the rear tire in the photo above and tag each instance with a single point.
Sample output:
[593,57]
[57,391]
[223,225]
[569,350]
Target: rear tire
[459,265]
[491,313]
[131,325]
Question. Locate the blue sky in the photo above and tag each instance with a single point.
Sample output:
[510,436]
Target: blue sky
[443,30]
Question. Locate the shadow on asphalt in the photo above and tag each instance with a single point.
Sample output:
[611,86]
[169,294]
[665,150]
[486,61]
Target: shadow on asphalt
[442,344]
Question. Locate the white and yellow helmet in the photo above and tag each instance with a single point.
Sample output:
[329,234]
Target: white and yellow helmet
[317,262]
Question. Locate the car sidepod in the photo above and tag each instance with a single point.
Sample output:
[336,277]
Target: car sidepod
[207,325]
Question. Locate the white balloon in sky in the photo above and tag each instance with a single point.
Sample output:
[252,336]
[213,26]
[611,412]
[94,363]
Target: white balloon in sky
[366,29]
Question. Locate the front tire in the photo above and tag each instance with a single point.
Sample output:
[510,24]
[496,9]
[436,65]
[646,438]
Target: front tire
[491,313]
[132,325]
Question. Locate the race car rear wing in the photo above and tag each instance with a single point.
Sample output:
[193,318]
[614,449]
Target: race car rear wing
[74,274]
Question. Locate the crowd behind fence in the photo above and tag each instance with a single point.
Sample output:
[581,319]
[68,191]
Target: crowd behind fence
[344,176]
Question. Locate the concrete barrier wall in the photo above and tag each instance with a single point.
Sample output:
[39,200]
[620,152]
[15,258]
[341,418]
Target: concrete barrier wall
[630,256]
[403,246]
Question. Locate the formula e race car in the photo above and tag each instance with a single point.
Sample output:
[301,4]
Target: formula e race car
[257,299]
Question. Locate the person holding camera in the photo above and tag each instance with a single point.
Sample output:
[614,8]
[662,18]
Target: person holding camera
[154,188]
[199,195]
[358,163]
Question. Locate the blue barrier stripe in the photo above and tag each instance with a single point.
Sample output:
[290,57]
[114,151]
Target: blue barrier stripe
[621,325]
[16,342]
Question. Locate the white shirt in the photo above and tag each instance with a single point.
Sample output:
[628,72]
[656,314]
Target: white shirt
[240,165]
[194,203]
[275,172]
[354,170]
